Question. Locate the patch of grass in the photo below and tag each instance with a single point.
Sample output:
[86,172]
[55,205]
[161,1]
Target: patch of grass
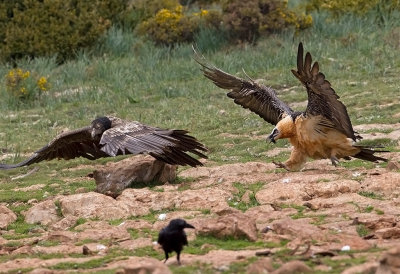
[379,142]
[48,243]
[368,208]
[300,210]
[20,227]
[237,200]
[362,230]
[319,219]
[194,268]
[21,270]
[145,232]
[14,244]
[149,251]
[116,222]
[241,267]
[357,206]
[58,208]
[379,211]
[371,194]
[152,217]
[340,265]
[113,254]
[80,221]
[85,241]
[228,243]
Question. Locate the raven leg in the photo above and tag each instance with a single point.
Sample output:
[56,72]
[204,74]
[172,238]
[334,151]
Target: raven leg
[178,257]
[166,256]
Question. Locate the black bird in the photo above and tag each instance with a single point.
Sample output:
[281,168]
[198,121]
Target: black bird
[173,238]
[111,136]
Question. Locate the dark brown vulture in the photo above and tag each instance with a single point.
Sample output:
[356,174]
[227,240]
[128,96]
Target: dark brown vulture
[111,136]
[322,131]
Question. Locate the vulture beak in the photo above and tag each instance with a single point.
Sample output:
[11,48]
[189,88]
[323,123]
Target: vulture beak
[93,133]
[189,226]
[273,135]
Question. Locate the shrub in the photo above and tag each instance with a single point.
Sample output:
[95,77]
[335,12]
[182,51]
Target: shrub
[141,10]
[358,7]
[43,28]
[25,85]
[170,26]
[247,20]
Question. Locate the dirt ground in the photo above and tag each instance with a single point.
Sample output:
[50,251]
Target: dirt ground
[323,214]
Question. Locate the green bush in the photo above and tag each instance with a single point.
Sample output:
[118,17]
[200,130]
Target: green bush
[140,10]
[46,27]
[247,20]
[358,7]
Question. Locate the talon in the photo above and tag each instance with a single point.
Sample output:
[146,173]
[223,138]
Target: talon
[280,165]
[335,161]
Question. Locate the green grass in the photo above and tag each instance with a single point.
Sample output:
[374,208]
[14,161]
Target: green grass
[362,230]
[371,194]
[237,199]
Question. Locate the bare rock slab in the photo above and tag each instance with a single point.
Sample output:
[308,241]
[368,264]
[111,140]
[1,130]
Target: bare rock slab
[113,178]
[390,261]
[293,267]
[145,265]
[237,225]
[7,216]
[91,204]
[44,213]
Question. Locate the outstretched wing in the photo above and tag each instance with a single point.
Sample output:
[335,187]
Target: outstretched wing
[68,145]
[169,146]
[322,98]
[255,97]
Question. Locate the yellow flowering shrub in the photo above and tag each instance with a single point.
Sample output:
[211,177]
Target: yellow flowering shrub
[22,85]
[170,26]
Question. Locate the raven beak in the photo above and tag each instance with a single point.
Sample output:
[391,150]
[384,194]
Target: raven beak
[189,226]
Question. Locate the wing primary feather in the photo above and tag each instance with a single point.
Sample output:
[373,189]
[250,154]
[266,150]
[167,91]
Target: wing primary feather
[257,98]
[322,98]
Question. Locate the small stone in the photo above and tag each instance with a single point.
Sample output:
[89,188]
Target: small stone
[162,217]
[345,248]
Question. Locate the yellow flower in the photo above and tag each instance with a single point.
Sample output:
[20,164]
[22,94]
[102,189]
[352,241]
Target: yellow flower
[42,83]
[203,12]
[26,74]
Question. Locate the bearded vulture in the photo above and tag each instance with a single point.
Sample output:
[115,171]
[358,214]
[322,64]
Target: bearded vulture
[322,131]
[112,136]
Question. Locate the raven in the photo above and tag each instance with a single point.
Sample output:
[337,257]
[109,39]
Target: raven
[322,131]
[173,238]
[110,136]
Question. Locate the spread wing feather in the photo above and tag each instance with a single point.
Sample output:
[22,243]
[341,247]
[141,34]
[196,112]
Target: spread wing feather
[247,93]
[169,146]
[322,98]
[68,145]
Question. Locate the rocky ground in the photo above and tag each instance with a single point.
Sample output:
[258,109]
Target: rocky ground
[322,219]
